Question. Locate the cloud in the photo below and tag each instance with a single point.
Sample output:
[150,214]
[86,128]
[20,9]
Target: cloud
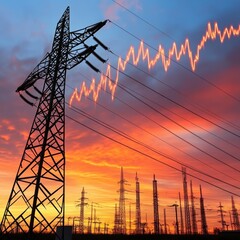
[112,11]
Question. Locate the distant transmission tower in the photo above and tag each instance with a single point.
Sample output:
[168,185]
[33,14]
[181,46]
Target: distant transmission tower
[181,214]
[82,205]
[235,219]
[122,210]
[223,223]
[194,220]
[155,207]
[138,210]
[186,203]
[203,215]
[116,221]
[37,199]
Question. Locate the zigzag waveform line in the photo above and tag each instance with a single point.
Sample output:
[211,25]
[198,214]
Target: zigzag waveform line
[212,33]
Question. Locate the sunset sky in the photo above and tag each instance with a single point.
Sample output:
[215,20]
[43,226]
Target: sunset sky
[185,115]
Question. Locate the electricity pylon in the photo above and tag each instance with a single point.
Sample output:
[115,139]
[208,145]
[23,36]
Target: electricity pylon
[186,203]
[122,211]
[155,207]
[37,199]
[138,209]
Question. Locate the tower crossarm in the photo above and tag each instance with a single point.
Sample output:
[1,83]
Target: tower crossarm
[39,72]
[79,36]
[76,56]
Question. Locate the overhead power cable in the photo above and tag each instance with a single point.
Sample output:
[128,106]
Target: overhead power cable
[148,132]
[147,155]
[142,19]
[201,108]
[154,109]
[128,137]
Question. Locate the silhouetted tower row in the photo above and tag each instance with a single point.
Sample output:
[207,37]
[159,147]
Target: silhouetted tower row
[155,207]
[38,192]
[186,203]
[194,220]
[204,226]
[138,210]
[235,219]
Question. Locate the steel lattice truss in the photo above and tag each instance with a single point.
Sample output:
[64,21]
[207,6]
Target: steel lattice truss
[36,202]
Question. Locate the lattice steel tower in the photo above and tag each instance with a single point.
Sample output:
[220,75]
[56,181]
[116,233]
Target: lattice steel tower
[194,220]
[138,209]
[181,214]
[186,203]
[122,210]
[155,207]
[203,215]
[235,217]
[82,205]
[36,202]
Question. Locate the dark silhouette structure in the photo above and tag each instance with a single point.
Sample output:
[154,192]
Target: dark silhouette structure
[204,226]
[194,220]
[186,203]
[138,209]
[235,217]
[155,207]
[36,202]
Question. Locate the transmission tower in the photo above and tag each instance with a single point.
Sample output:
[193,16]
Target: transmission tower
[122,210]
[181,214]
[223,223]
[116,221]
[130,219]
[138,210]
[155,207]
[82,205]
[165,221]
[203,215]
[186,203]
[37,199]
[235,219]
[194,220]
[176,216]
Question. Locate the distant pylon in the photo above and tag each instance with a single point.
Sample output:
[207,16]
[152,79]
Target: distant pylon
[130,219]
[186,203]
[223,223]
[204,226]
[116,220]
[37,199]
[155,207]
[82,205]
[138,210]
[165,221]
[235,220]
[122,210]
[181,214]
[194,220]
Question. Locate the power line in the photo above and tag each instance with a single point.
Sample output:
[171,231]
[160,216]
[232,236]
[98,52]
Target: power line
[142,19]
[181,94]
[140,113]
[134,96]
[147,155]
[128,137]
